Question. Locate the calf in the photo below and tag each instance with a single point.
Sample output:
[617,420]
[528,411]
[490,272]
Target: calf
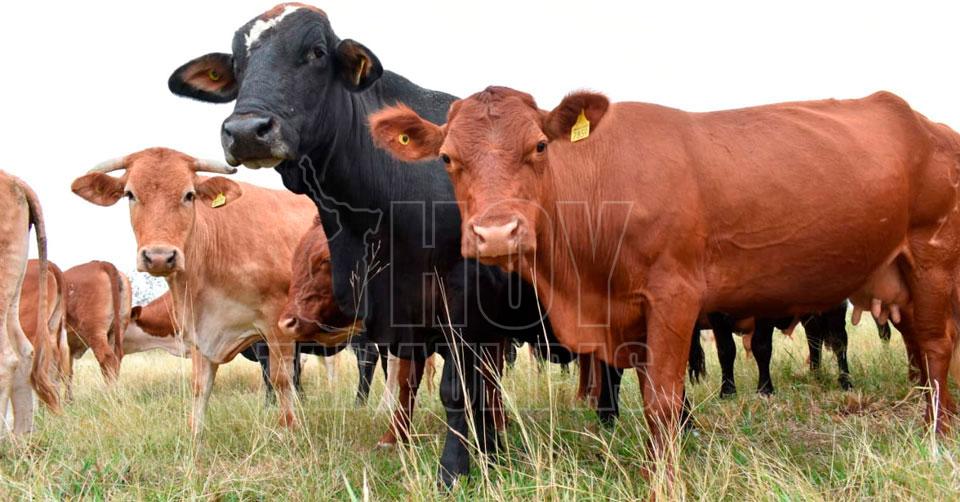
[634,218]
[22,365]
[151,327]
[98,298]
[225,249]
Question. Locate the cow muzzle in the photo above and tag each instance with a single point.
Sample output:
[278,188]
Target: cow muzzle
[481,240]
[289,326]
[253,140]
[160,260]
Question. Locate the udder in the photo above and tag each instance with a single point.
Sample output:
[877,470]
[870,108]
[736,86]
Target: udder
[884,294]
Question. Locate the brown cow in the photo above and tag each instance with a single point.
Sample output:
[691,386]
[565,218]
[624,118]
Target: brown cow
[655,215]
[152,327]
[98,300]
[22,365]
[55,325]
[225,249]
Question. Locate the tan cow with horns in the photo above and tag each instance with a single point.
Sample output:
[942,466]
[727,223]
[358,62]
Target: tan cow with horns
[225,249]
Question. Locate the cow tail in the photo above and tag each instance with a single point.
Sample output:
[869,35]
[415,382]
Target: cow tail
[39,376]
[58,322]
[697,364]
[115,294]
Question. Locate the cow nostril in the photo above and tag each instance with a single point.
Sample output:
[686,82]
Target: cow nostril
[478,235]
[145,256]
[172,259]
[264,128]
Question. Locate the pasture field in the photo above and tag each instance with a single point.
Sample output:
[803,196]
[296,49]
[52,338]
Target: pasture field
[811,441]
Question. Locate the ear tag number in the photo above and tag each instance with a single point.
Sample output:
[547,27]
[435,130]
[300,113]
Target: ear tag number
[219,200]
[581,129]
[404,139]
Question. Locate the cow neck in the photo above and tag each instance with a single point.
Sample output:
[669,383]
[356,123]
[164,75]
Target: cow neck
[354,171]
[563,256]
[202,248]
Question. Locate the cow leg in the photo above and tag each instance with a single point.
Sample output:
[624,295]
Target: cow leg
[410,374]
[727,355]
[9,361]
[814,344]
[391,386]
[204,373]
[261,354]
[511,355]
[21,392]
[367,358]
[585,377]
[762,345]
[69,377]
[463,395]
[297,370]
[933,332]
[836,338]
[608,392]
[670,318]
[493,372]
[106,356]
[282,369]
[916,371]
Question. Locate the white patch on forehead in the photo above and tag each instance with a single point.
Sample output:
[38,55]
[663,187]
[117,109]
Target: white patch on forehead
[261,26]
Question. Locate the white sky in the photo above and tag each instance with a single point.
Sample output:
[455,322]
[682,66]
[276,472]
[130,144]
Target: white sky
[86,81]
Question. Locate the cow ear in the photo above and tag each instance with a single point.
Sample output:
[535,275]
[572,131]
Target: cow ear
[135,312]
[558,122]
[406,135]
[218,191]
[208,78]
[99,188]
[358,66]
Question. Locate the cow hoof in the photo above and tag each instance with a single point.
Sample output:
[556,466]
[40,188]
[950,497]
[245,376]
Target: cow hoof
[447,481]
[765,390]
[726,392]
[846,385]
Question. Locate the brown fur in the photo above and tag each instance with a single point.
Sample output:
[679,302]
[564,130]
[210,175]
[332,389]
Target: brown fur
[234,256]
[95,314]
[662,215]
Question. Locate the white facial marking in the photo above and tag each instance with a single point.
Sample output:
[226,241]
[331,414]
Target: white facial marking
[261,26]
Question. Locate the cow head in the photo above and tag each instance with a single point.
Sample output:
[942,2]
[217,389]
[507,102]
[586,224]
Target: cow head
[289,73]
[496,149]
[311,309]
[164,190]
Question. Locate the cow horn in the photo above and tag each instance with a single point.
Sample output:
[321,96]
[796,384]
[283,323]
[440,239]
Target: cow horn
[212,166]
[109,166]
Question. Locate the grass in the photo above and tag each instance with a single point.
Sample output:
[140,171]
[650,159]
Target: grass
[810,441]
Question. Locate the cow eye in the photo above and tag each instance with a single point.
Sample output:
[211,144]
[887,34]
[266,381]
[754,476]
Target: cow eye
[541,146]
[445,158]
[316,52]
[128,194]
[189,196]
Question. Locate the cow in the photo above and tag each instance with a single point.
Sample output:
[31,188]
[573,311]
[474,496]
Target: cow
[98,299]
[636,218]
[225,250]
[22,365]
[55,318]
[151,327]
[302,96]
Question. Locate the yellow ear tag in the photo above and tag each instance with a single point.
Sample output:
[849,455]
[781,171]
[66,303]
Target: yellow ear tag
[213,75]
[404,139]
[581,129]
[219,200]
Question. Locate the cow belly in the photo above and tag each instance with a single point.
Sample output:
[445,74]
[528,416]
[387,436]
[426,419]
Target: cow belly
[809,271]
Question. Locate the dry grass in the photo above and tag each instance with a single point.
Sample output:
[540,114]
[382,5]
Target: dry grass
[810,441]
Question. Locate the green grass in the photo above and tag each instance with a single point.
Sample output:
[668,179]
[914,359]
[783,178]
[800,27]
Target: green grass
[810,441]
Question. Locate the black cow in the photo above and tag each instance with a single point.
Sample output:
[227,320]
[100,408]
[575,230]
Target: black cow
[302,97]
[827,328]
[368,355]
